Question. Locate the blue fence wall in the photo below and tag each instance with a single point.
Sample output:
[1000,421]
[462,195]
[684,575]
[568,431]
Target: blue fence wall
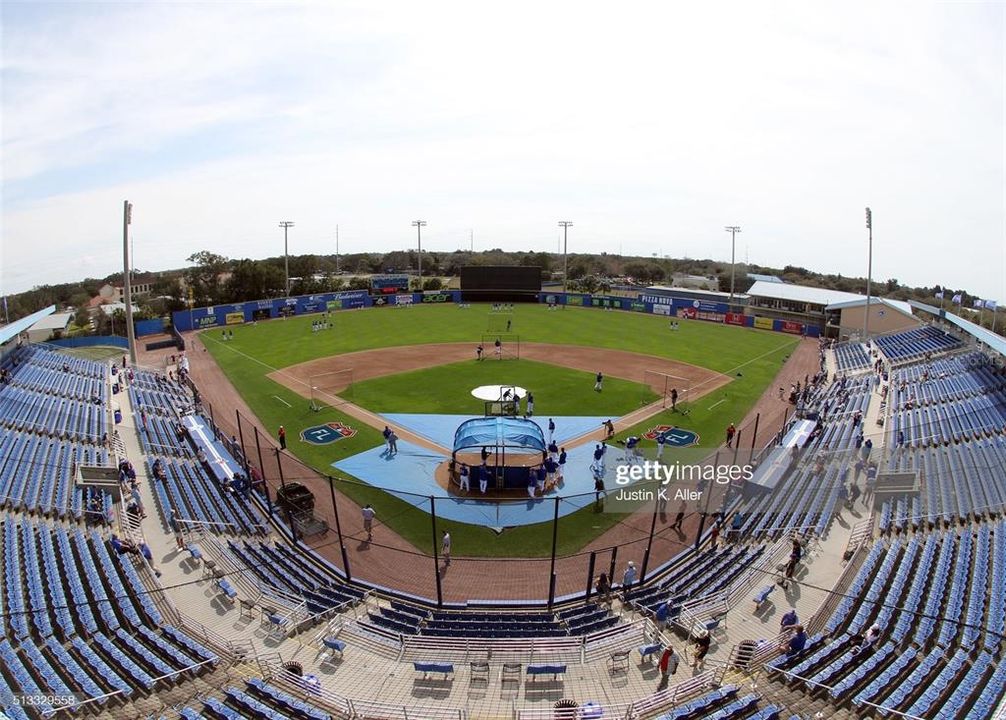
[251,311]
[149,327]
[657,304]
[91,341]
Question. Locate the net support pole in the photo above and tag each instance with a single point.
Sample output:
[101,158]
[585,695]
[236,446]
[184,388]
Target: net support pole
[261,464]
[705,511]
[649,542]
[754,438]
[241,439]
[436,558]
[614,558]
[338,529]
[590,575]
[555,538]
[289,513]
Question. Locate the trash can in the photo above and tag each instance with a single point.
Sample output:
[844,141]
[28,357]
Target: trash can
[566,710]
[118,416]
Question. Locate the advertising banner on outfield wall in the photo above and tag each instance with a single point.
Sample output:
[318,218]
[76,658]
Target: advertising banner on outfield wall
[788,326]
[735,319]
[763,323]
[262,309]
[235,318]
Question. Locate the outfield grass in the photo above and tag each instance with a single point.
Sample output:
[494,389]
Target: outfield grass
[557,390]
[258,349]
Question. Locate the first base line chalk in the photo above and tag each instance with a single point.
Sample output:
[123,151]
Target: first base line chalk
[717,403]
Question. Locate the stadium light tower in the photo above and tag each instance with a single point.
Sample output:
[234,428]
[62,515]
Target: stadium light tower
[286,225]
[565,225]
[733,230]
[419,225]
[869,274]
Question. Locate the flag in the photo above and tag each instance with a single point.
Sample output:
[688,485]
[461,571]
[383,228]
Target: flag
[957,299]
[990,304]
[939,295]
[978,303]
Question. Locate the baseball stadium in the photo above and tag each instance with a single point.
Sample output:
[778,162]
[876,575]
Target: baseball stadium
[509,502]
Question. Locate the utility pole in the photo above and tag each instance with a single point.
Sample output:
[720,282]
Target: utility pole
[471,240]
[869,275]
[286,225]
[127,271]
[336,249]
[733,230]
[565,225]
[419,225]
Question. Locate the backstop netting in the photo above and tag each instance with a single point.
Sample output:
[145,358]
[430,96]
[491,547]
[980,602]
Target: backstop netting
[664,385]
[509,347]
[327,389]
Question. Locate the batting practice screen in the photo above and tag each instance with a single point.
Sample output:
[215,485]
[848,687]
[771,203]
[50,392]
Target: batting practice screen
[500,283]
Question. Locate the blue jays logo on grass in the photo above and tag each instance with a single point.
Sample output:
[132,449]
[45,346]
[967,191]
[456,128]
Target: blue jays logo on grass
[673,436]
[327,433]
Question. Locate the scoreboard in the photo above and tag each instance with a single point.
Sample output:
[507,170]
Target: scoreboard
[389,284]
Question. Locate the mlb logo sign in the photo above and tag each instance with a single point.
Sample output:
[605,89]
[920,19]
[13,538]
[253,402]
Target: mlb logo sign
[673,436]
[327,433]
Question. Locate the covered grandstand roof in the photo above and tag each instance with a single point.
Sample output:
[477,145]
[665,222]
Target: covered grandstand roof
[995,342]
[56,321]
[900,305]
[505,432]
[801,293]
[12,330]
[765,278]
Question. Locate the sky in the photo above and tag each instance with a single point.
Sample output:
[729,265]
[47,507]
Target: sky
[650,126]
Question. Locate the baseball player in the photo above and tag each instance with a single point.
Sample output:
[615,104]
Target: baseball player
[599,380]
[551,430]
[463,482]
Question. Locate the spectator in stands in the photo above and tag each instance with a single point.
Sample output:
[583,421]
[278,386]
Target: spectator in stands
[789,620]
[714,536]
[668,666]
[871,482]
[134,494]
[868,640]
[628,578]
[735,526]
[603,587]
[796,643]
[700,647]
[123,546]
[149,557]
[176,529]
[662,613]
[854,493]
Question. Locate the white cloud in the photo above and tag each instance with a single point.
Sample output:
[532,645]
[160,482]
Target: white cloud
[650,127]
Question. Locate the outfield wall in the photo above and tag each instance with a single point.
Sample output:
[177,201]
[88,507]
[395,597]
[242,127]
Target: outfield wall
[667,305]
[254,310]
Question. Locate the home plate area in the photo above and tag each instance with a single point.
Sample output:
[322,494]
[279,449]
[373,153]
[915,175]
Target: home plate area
[409,474]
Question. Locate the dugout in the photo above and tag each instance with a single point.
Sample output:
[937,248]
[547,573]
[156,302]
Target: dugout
[515,445]
[500,283]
